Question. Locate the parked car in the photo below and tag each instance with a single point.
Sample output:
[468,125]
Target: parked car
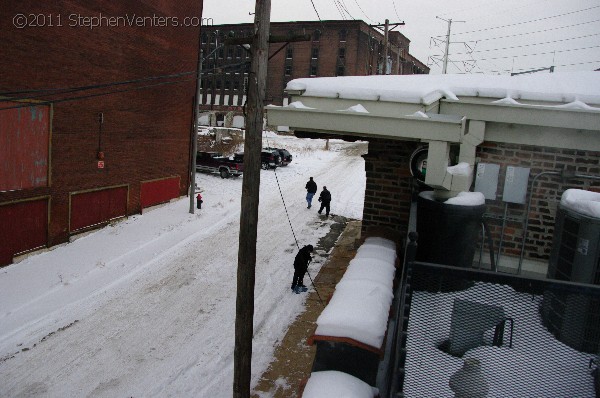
[215,162]
[286,157]
[269,159]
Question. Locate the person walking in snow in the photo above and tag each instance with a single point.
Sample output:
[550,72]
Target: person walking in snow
[325,199]
[300,266]
[311,190]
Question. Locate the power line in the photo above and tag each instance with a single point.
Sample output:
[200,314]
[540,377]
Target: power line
[525,22]
[530,45]
[539,67]
[343,5]
[361,10]
[543,53]
[395,10]
[529,33]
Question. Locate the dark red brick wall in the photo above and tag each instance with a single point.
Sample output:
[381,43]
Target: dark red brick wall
[146,130]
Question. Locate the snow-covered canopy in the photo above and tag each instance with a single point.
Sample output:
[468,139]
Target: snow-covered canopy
[360,305]
[563,87]
[331,383]
[581,201]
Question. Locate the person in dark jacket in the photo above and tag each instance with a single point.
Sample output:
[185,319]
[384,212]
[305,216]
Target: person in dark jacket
[300,266]
[311,190]
[325,199]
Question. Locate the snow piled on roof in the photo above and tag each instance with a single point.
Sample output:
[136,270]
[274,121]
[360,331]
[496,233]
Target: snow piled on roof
[331,383]
[356,108]
[360,305]
[564,87]
[581,201]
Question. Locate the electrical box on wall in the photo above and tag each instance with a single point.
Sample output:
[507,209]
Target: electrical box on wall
[515,184]
[486,180]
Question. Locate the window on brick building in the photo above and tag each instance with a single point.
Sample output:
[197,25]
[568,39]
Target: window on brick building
[221,52]
[340,70]
[219,84]
[204,38]
[313,70]
[238,52]
[342,52]
[230,52]
[317,35]
[343,35]
[288,70]
[315,53]
[289,52]
[236,84]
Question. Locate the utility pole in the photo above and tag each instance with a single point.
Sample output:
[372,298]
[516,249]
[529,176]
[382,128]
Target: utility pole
[386,27]
[385,46]
[244,311]
[445,65]
[194,135]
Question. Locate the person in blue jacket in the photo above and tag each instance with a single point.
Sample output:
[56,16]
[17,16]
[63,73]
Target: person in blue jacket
[311,190]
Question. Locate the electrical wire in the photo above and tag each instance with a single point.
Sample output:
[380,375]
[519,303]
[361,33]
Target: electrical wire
[530,45]
[526,22]
[542,53]
[361,10]
[395,10]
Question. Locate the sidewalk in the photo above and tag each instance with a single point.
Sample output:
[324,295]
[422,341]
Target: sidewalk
[294,357]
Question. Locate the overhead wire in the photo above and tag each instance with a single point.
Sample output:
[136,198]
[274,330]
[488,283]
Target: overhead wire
[525,22]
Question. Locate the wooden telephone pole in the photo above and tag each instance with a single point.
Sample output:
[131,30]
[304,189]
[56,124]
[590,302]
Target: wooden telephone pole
[244,312]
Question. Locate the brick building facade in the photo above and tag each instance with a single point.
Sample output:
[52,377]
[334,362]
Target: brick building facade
[106,152]
[335,48]
[390,188]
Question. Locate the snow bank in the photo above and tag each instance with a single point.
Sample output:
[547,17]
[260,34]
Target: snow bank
[361,302]
[467,199]
[583,202]
[564,87]
[331,383]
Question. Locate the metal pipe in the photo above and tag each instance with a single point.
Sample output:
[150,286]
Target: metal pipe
[502,234]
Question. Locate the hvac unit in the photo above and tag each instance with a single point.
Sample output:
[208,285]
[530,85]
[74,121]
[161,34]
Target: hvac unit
[574,318]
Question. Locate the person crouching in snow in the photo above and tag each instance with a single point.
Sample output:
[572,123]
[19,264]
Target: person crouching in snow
[300,266]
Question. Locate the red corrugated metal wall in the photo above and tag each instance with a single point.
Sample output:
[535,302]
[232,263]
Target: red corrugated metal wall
[159,191]
[96,207]
[24,227]
[24,147]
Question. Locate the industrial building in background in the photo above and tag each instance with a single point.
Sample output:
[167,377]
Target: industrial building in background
[332,48]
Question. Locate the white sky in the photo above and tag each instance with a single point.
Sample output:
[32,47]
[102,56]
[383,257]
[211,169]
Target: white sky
[480,44]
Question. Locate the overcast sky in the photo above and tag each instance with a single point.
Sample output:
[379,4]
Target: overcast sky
[487,36]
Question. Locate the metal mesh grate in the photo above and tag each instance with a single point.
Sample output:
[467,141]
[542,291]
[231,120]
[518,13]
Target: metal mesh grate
[485,334]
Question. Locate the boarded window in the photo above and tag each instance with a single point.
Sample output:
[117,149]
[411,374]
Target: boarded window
[24,147]
[97,207]
[24,228]
[159,191]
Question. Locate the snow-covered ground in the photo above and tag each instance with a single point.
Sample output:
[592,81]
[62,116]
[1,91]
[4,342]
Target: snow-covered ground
[146,306]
